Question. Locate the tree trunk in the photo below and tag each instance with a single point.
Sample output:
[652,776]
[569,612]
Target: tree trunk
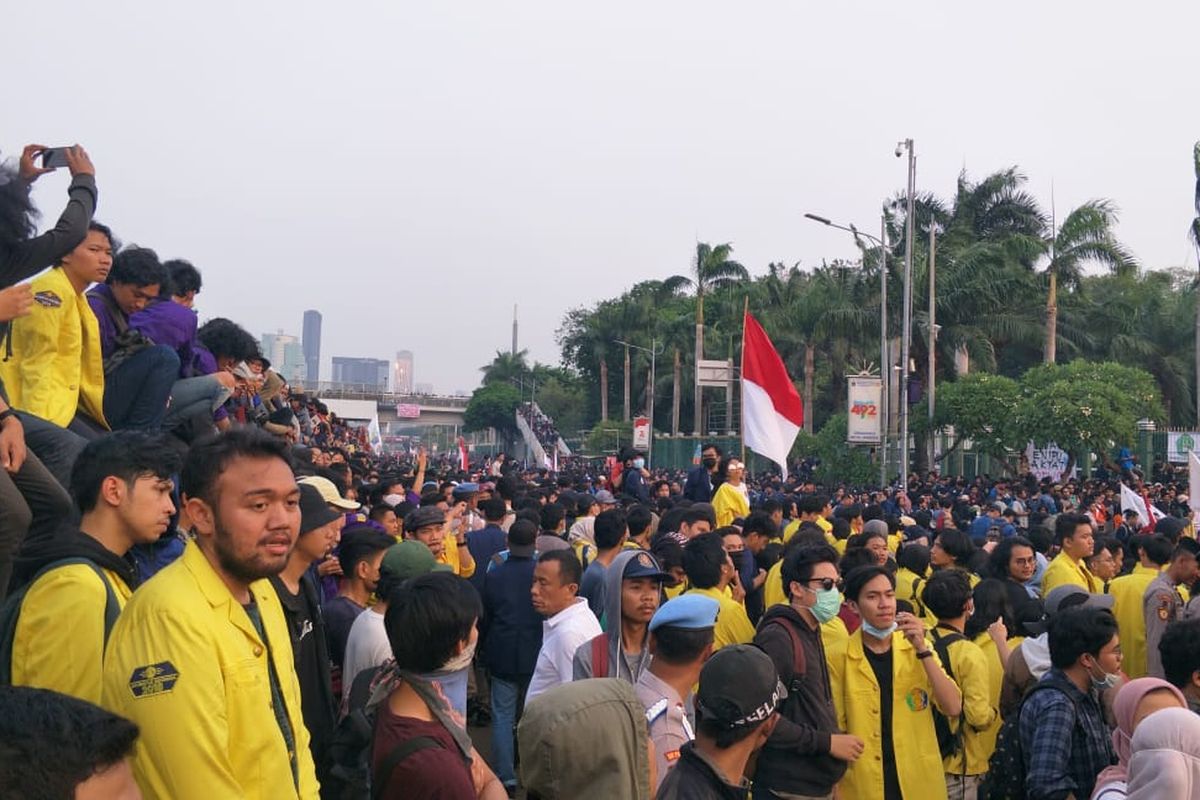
[1196,295]
[1050,349]
[626,417]
[675,396]
[603,390]
[697,427]
[810,357]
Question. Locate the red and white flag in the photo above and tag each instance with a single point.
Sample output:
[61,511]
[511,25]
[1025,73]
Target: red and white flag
[772,413]
[464,461]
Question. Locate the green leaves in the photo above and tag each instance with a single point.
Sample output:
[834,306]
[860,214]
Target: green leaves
[492,406]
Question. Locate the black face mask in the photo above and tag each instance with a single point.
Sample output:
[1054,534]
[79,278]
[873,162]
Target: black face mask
[710,462]
[738,558]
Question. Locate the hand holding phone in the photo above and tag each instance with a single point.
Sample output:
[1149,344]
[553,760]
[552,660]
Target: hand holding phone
[74,158]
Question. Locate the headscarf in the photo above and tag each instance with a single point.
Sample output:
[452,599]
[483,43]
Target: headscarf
[1125,706]
[1166,756]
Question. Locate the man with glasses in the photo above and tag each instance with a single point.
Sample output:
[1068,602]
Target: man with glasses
[806,754]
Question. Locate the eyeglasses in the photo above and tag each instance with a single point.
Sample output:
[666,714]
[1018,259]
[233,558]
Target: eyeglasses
[827,583]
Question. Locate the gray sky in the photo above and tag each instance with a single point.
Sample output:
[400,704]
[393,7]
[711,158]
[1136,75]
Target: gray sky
[412,170]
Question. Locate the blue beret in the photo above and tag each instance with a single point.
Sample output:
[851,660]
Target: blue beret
[686,611]
[466,488]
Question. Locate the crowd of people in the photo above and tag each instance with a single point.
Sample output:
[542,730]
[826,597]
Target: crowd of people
[542,426]
[214,589]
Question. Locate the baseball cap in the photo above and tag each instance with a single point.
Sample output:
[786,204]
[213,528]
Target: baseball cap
[739,687]
[314,511]
[329,492]
[466,489]
[605,498]
[425,515]
[643,565]
[409,559]
[690,611]
[1059,594]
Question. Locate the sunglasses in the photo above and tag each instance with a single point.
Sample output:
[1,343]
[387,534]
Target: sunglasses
[827,583]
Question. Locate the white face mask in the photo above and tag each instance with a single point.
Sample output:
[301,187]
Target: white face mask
[460,661]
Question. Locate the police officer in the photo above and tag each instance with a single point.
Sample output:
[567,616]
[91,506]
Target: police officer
[1162,605]
[681,640]
[201,657]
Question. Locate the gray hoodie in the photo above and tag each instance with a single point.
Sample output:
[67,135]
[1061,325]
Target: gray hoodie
[618,666]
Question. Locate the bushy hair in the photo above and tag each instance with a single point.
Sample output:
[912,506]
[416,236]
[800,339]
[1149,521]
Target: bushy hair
[184,277]
[138,266]
[127,455]
[209,457]
[225,338]
[428,617]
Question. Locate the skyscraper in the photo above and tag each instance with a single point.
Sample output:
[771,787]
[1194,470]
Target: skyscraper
[287,357]
[368,373]
[402,377]
[312,346]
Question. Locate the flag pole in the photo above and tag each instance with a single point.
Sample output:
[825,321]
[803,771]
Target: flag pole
[741,364]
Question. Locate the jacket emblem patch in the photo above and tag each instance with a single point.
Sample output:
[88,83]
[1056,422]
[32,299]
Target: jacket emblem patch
[153,679]
[48,299]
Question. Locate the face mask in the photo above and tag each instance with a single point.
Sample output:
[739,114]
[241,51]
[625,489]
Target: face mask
[879,633]
[394,499]
[1107,680]
[829,603]
[460,661]
[710,462]
[738,559]
[638,463]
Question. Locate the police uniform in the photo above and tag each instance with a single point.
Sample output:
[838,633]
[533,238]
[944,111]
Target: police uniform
[667,717]
[1161,605]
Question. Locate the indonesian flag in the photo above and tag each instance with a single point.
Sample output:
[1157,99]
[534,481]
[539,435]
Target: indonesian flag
[772,413]
[464,462]
[1147,513]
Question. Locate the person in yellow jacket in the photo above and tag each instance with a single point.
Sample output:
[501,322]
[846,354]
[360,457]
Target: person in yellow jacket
[1076,539]
[709,573]
[55,369]
[885,678]
[201,657]
[948,596]
[122,486]
[814,508]
[730,500]
[427,524]
[1128,591]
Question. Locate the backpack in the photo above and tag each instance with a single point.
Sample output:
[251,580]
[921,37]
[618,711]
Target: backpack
[350,746]
[949,737]
[600,656]
[10,612]
[1005,779]
[129,342]
[918,606]
[799,666]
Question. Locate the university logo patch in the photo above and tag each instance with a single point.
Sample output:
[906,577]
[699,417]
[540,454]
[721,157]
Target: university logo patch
[153,679]
[48,299]
[1164,608]
[917,699]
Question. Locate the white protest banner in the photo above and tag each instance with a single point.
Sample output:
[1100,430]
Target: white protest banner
[1047,463]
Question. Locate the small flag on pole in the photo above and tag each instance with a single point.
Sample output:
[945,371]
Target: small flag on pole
[772,413]
[1147,513]
[463,458]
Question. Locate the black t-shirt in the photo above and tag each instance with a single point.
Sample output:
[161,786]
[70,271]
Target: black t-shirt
[881,664]
[311,654]
[339,614]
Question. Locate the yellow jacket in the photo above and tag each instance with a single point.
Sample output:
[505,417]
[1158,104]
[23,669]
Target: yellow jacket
[1127,592]
[733,626]
[1065,570]
[729,503]
[980,710]
[856,696]
[450,557]
[58,642]
[909,586]
[186,664]
[56,367]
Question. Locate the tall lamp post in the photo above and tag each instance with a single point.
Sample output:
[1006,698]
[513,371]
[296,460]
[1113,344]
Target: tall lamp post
[906,333]
[883,346]
[654,353]
[933,333]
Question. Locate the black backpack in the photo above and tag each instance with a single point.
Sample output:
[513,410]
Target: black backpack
[949,737]
[350,747]
[1005,779]
[10,613]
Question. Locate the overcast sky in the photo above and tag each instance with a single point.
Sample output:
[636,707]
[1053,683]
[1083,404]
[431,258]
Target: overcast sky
[412,170]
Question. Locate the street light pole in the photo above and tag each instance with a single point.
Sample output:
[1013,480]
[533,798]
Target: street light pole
[906,334]
[933,332]
[884,366]
[653,351]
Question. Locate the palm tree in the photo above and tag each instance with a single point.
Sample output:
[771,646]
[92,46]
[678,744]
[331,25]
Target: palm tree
[1085,235]
[713,267]
[506,367]
[1195,236]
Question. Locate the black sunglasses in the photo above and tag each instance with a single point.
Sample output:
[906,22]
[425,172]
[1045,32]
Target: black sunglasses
[827,583]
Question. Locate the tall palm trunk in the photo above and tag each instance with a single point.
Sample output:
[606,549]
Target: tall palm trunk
[697,428]
[1050,348]
[810,357]
[603,389]
[675,396]
[626,384]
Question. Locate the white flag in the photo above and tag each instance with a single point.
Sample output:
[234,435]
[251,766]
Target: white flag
[1144,508]
[1193,477]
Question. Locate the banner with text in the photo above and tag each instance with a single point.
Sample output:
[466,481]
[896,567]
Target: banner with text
[865,425]
[1049,462]
[641,433]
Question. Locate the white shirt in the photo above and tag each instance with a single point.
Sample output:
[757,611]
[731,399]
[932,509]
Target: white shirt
[561,636]
[366,647]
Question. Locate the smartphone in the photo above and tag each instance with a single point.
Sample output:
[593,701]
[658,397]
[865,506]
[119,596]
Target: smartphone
[54,157]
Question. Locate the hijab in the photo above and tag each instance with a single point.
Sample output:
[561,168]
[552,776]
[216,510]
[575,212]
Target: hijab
[1125,706]
[1166,756]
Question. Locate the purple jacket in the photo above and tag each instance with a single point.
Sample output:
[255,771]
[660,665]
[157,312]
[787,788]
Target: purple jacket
[108,326]
[168,323]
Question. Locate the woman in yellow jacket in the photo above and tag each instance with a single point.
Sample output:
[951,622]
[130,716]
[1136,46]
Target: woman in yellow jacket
[730,500]
[884,678]
[55,369]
